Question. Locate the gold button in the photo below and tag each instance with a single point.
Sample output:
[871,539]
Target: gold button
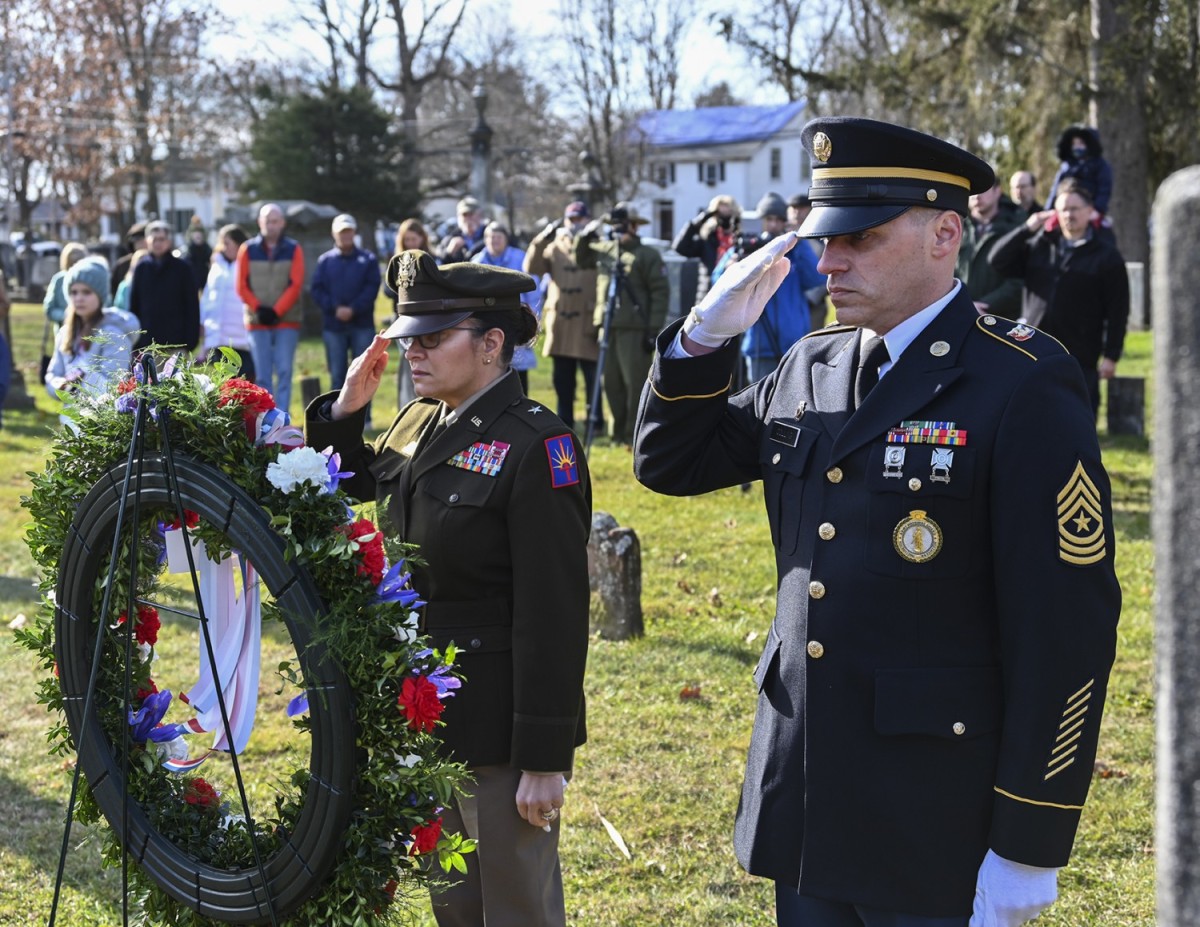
[816,649]
[776,458]
[827,531]
[834,475]
[816,589]
[959,728]
[914,484]
[989,320]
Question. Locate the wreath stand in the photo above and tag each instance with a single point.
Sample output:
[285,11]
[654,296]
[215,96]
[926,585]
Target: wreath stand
[277,883]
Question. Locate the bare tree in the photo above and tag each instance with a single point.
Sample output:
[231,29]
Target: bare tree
[659,31]
[349,35]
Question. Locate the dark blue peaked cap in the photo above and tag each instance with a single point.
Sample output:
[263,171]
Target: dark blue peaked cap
[866,173]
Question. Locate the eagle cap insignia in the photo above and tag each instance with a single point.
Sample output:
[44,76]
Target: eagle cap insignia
[822,147]
[406,269]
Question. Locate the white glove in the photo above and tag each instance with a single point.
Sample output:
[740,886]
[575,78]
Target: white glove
[737,299]
[1008,894]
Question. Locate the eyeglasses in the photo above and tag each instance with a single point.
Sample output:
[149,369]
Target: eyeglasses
[433,339]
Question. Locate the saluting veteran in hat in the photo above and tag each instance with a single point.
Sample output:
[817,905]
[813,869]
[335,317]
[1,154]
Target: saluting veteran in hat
[493,489]
[926,721]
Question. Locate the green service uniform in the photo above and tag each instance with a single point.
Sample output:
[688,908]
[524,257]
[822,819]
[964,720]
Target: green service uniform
[640,312]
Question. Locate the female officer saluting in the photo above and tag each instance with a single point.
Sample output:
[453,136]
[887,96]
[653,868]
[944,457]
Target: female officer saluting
[492,488]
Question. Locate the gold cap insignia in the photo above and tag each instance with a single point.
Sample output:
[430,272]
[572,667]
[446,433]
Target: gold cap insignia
[822,147]
[1080,520]
[406,269]
[918,537]
[931,194]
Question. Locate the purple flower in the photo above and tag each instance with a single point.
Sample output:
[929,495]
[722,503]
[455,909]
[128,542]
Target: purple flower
[443,682]
[298,705]
[147,718]
[275,427]
[127,402]
[394,587]
[336,474]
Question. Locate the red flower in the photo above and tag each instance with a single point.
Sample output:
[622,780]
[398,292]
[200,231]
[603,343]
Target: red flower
[146,629]
[148,689]
[198,792]
[419,700]
[128,385]
[192,519]
[374,561]
[425,837]
[254,400]
[390,889]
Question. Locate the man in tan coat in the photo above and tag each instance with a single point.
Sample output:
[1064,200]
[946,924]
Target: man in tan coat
[570,303]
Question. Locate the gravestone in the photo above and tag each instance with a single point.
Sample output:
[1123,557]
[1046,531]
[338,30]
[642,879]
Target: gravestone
[310,389]
[1175,301]
[615,578]
[1127,406]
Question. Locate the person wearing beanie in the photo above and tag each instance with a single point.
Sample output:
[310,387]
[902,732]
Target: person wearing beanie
[95,344]
[787,317]
[55,301]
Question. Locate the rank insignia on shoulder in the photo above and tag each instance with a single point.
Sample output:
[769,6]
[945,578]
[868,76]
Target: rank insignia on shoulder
[564,463]
[481,458]
[1080,520]
[917,538]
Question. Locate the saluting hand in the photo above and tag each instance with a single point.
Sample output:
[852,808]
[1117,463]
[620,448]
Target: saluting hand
[738,298]
[362,379]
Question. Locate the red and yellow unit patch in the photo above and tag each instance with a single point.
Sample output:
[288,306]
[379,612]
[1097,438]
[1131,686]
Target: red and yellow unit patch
[564,463]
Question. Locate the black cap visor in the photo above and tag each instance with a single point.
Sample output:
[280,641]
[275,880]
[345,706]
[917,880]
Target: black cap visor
[830,221]
[424,323]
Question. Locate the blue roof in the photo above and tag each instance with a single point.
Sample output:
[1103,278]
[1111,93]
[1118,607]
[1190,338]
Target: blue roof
[715,125]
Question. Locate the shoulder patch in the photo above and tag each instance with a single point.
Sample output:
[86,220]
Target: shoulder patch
[1030,341]
[1080,518]
[564,462]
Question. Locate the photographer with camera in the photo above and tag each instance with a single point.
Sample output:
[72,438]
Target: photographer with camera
[707,237]
[631,306]
[787,317]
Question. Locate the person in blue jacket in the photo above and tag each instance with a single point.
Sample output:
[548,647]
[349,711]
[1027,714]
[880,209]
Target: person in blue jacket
[344,286]
[787,317]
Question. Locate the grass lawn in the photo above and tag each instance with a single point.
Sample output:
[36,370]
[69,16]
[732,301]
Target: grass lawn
[664,771]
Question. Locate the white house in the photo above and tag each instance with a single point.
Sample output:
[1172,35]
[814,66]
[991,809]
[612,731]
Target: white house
[692,155]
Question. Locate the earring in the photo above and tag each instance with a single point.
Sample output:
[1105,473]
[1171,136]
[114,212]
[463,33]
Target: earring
[487,360]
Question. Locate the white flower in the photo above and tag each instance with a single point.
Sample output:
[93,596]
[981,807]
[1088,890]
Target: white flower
[300,467]
[410,761]
[176,749]
[205,383]
[404,635]
[144,652]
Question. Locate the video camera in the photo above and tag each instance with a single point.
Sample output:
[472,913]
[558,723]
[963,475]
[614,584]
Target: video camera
[747,243]
[618,219]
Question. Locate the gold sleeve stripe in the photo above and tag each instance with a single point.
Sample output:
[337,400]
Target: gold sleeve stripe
[725,389]
[1069,731]
[1070,740]
[1087,687]
[1054,772]
[1071,718]
[822,174]
[1040,804]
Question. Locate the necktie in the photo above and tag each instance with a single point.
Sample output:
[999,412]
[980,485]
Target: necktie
[873,354]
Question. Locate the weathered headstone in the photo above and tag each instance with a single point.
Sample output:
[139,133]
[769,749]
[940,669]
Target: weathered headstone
[310,389]
[615,577]
[1175,298]
[1138,318]
[1127,406]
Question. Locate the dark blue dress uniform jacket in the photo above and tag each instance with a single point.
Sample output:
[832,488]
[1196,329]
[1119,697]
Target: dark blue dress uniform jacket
[910,714]
[505,564]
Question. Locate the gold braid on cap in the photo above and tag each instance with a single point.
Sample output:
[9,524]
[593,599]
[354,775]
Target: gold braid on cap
[821,174]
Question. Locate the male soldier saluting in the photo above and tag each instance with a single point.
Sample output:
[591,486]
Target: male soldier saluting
[931,688]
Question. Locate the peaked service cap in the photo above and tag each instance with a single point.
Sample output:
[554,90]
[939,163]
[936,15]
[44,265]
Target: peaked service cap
[866,173]
[430,298]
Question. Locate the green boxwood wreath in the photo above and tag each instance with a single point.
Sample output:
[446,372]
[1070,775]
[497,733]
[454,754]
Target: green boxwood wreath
[352,832]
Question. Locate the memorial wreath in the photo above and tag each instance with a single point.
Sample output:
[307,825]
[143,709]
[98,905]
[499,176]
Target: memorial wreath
[360,653]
